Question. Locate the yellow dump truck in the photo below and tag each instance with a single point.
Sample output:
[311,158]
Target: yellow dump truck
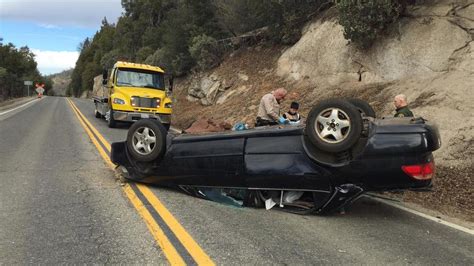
[130,92]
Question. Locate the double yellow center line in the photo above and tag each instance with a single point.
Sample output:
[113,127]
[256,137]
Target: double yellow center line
[136,191]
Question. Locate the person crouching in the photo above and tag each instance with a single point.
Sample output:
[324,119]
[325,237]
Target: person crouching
[292,115]
[269,108]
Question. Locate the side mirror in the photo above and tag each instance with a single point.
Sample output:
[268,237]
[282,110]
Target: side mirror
[171,83]
[168,78]
[105,75]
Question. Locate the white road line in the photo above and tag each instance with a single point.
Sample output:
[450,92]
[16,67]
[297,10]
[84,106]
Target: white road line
[426,216]
[18,107]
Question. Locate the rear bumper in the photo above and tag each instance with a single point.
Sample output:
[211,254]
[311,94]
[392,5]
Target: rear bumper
[133,116]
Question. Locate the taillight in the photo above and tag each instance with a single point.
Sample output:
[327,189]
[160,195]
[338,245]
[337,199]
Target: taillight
[420,171]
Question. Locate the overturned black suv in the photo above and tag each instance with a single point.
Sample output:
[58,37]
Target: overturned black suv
[341,152]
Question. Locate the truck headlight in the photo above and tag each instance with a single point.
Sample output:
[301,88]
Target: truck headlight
[168,105]
[158,101]
[118,101]
[134,101]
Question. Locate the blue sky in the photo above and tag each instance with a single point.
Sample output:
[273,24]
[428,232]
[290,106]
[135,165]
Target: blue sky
[53,29]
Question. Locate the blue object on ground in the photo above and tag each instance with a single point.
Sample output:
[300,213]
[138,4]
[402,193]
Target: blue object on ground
[283,121]
[240,126]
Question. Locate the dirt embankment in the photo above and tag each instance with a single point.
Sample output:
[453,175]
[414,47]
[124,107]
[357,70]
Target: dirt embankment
[428,55]
[12,103]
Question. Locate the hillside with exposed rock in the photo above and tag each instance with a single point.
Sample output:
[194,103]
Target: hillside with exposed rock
[61,82]
[428,54]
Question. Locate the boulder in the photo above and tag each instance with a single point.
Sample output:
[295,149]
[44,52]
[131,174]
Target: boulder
[207,125]
[227,84]
[211,92]
[223,98]
[192,98]
[406,56]
[414,47]
[466,12]
[204,89]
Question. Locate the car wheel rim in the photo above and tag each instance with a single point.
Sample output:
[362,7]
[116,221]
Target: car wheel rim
[144,140]
[333,125]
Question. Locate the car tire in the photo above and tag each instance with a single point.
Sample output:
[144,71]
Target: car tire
[363,107]
[334,125]
[146,140]
[111,122]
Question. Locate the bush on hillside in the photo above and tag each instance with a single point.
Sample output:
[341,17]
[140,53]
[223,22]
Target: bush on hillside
[143,54]
[171,63]
[108,60]
[181,64]
[205,51]
[158,58]
[364,20]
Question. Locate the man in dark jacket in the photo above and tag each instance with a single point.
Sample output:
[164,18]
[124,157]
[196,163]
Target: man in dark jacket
[401,104]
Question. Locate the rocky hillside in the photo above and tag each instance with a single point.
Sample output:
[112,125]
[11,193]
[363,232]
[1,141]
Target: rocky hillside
[427,55]
[61,81]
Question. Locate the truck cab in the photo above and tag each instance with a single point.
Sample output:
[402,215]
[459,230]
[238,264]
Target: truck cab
[132,92]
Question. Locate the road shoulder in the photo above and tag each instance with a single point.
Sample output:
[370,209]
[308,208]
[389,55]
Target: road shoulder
[12,103]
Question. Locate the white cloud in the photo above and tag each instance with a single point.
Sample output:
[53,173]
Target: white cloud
[50,62]
[49,26]
[84,13]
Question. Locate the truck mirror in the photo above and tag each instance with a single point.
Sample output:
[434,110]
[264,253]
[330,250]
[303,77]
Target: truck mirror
[104,77]
[171,83]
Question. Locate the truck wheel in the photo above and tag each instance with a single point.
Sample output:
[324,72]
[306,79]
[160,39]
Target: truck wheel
[146,140]
[111,121]
[363,107]
[334,125]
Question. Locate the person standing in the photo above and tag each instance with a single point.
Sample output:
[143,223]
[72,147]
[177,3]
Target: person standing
[269,108]
[401,104]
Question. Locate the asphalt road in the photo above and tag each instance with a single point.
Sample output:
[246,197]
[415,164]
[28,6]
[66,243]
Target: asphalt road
[59,202]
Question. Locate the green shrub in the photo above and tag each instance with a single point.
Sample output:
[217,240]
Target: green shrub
[364,20]
[108,60]
[204,51]
[143,54]
[159,58]
[176,64]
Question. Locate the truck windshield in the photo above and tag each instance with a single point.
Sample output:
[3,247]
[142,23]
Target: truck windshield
[130,77]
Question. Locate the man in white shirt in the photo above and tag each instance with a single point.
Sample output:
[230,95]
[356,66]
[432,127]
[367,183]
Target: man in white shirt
[269,109]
